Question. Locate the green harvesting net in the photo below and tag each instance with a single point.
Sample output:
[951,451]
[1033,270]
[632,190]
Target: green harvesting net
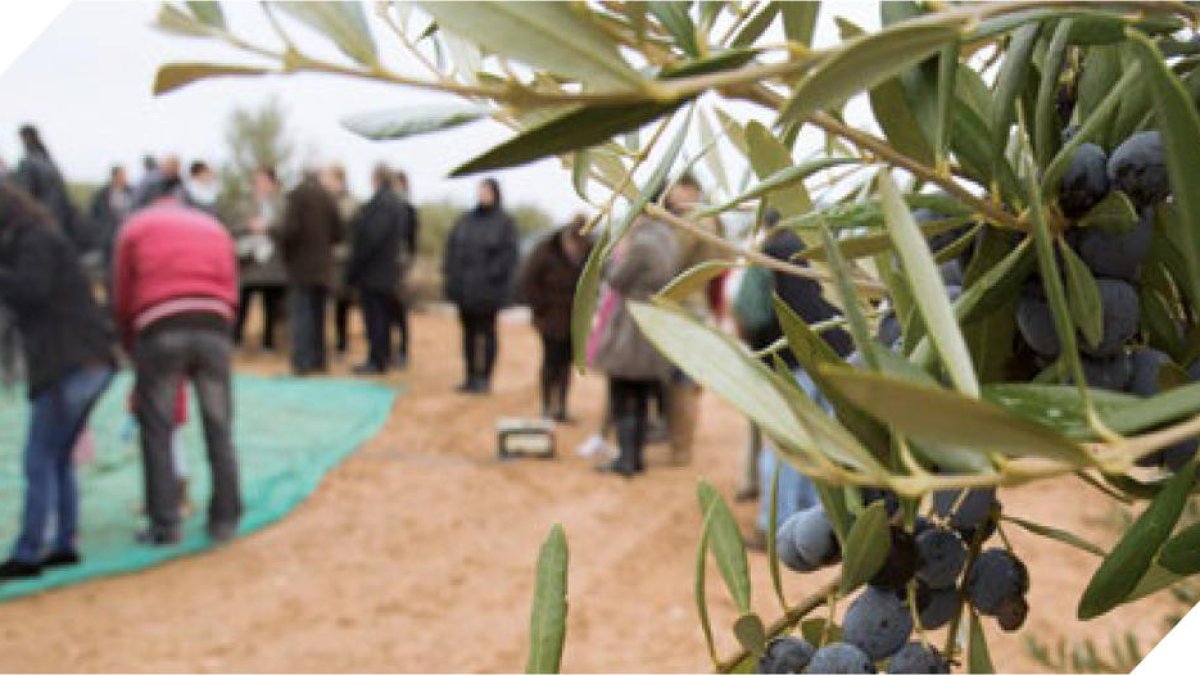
[288,434]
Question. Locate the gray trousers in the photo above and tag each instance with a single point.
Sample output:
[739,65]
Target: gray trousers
[306,305]
[162,360]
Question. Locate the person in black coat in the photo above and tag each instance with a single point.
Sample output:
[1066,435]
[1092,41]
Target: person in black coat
[374,267]
[409,240]
[480,264]
[39,176]
[109,207]
[70,361]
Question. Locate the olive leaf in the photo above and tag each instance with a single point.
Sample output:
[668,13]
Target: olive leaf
[864,62]
[1124,566]
[867,547]
[557,36]
[725,542]
[397,123]
[174,76]
[342,22]
[548,625]
[1181,554]
[1083,296]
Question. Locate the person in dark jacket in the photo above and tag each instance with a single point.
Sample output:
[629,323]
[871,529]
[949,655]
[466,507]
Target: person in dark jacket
[374,268]
[481,261]
[311,226]
[409,238]
[260,268]
[70,361]
[548,285]
[39,176]
[110,206]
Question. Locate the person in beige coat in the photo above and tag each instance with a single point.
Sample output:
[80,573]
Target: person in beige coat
[644,263]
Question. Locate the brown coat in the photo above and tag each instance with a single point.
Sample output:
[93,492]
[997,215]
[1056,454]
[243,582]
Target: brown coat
[311,226]
[548,285]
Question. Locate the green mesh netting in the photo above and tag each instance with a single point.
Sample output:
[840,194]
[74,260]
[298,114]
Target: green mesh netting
[288,434]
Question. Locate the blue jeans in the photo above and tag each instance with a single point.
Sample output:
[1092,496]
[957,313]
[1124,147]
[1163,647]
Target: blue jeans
[58,416]
[796,491]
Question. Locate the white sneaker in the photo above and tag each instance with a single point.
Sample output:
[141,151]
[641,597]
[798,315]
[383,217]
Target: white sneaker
[594,446]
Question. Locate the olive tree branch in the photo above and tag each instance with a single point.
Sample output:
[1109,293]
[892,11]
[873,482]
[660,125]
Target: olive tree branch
[785,623]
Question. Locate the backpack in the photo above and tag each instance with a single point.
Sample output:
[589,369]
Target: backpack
[754,306]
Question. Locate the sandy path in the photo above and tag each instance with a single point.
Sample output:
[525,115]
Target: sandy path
[417,555]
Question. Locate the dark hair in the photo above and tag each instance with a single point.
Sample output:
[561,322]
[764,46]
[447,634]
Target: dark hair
[401,177]
[269,172]
[198,167]
[17,207]
[116,169]
[382,174]
[149,163]
[495,187]
[167,186]
[32,140]
[688,179]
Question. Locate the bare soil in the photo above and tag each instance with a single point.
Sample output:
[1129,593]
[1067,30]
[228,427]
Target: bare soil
[417,554]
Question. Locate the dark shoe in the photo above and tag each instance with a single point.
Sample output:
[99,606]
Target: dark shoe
[152,538]
[467,387]
[756,541]
[368,370]
[401,362]
[222,533]
[747,494]
[481,387]
[62,559]
[12,570]
[618,467]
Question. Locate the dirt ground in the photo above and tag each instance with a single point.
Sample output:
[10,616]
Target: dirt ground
[417,554]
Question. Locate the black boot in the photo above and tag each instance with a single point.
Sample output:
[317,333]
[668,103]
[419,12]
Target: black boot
[629,454]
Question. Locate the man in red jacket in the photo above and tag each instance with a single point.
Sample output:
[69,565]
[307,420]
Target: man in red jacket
[175,298]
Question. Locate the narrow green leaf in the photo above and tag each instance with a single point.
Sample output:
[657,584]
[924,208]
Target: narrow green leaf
[725,542]
[872,244]
[575,128]
[865,62]
[756,26]
[700,587]
[1083,296]
[784,179]
[717,363]
[694,279]
[674,16]
[581,166]
[856,321]
[751,633]
[1060,407]
[1127,563]
[548,625]
[819,631]
[397,123]
[773,539]
[934,415]
[768,156]
[1181,554]
[1092,129]
[587,295]
[208,13]
[171,19]
[1156,579]
[867,547]
[1115,213]
[1101,71]
[799,20]
[342,22]
[657,180]
[947,83]
[174,76]
[1056,534]
[1047,136]
[560,37]
[978,658]
[1180,127]
[928,290]
[1009,83]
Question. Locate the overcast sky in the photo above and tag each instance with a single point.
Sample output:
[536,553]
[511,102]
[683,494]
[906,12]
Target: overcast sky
[86,83]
